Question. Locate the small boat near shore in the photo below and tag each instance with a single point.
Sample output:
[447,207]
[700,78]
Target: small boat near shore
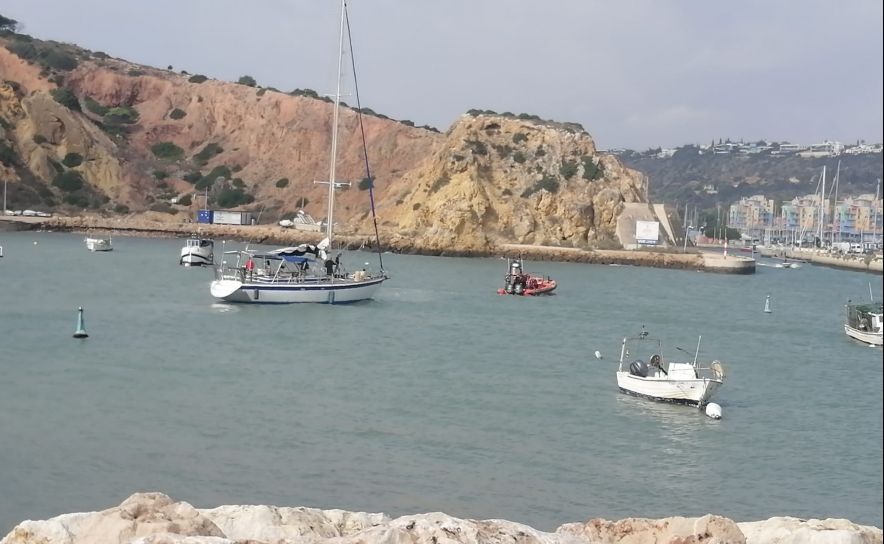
[677,382]
[99,244]
[518,282]
[865,323]
[197,251]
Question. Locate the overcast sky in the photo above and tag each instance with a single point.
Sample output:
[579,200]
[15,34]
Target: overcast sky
[637,73]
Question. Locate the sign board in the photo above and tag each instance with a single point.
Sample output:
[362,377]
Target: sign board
[647,232]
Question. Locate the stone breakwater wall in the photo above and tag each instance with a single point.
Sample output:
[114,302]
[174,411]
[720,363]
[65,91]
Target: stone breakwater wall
[275,235]
[155,518]
[860,263]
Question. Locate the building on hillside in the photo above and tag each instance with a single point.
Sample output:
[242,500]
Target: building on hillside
[857,218]
[753,214]
[801,214]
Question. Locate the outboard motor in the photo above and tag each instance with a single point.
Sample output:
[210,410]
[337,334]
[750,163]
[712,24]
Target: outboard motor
[638,368]
[519,288]
[509,287]
[515,268]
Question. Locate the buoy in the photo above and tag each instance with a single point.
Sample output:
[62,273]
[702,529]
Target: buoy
[713,410]
[767,305]
[81,330]
[598,355]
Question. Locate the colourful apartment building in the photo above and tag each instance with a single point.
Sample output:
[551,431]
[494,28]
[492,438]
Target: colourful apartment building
[855,217]
[755,212]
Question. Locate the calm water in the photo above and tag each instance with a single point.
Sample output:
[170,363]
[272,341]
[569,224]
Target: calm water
[438,395]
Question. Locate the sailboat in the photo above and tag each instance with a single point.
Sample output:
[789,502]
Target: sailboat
[306,273]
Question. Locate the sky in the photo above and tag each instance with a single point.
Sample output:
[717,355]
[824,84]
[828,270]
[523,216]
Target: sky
[636,74]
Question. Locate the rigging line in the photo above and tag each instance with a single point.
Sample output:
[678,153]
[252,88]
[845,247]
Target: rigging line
[364,144]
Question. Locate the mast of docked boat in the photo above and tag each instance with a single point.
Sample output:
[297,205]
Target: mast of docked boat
[697,353]
[334,145]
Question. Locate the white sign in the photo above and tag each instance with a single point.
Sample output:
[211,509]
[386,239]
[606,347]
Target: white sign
[647,232]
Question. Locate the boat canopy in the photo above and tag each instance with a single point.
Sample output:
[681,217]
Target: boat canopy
[286,258]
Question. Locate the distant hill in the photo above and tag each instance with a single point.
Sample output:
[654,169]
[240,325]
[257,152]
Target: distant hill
[707,179]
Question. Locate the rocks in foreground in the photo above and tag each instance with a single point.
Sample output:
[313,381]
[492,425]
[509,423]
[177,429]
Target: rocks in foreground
[154,518]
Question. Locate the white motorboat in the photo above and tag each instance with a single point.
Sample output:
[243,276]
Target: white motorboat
[678,382]
[865,323]
[307,273]
[99,244]
[197,251]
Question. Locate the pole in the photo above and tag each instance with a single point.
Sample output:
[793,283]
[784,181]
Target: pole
[334,149]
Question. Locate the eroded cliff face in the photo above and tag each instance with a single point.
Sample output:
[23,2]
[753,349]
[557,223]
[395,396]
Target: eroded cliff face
[502,179]
[491,179]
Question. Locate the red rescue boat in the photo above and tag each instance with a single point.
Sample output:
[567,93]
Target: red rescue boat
[518,282]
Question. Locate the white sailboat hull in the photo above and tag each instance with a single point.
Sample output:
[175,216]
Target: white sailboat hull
[98,244]
[873,338]
[693,392]
[318,292]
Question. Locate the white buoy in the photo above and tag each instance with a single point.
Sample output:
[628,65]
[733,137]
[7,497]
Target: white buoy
[81,329]
[767,305]
[713,410]
[598,355]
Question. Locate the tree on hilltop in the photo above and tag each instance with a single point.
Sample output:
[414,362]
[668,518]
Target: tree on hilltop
[8,24]
[248,81]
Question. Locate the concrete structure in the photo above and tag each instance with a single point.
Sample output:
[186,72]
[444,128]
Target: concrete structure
[671,232]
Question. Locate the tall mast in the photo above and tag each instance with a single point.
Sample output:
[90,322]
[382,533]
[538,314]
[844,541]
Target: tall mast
[334,148]
[822,206]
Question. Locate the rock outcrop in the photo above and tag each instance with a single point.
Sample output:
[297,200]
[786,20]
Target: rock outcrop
[503,179]
[154,518]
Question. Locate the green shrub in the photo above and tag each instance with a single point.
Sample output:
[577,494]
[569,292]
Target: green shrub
[72,160]
[231,198]
[69,181]
[313,94]
[8,25]
[416,206]
[193,177]
[101,55]
[503,151]
[220,172]
[546,184]
[163,207]
[135,73]
[121,115]
[6,125]
[248,81]
[16,86]
[407,123]
[177,114]
[57,80]
[477,147]
[540,152]
[261,92]
[197,78]
[519,157]
[592,170]
[66,98]
[167,151]
[366,183]
[185,200]
[507,192]
[95,107]
[57,165]
[282,183]
[8,156]
[39,139]
[568,169]
[121,209]
[519,138]
[301,202]
[207,153]
[24,51]
[59,60]
[238,183]
[160,175]
[79,201]
[440,182]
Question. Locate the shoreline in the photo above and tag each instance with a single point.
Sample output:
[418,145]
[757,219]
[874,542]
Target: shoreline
[693,260]
[155,518]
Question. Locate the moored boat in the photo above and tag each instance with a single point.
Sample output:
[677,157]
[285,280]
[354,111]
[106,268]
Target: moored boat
[865,323]
[677,382]
[197,251]
[99,244]
[519,282]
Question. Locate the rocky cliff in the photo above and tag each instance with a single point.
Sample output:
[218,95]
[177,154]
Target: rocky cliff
[83,132]
[154,518]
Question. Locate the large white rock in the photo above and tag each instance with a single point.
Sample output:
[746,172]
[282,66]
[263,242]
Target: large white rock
[787,530]
[154,518]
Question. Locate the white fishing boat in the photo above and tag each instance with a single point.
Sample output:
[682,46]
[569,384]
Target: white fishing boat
[99,244]
[865,323]
[197,251]
[307,273]
[678,382]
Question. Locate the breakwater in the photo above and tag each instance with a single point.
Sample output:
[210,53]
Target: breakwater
[271,234]
[861,263]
